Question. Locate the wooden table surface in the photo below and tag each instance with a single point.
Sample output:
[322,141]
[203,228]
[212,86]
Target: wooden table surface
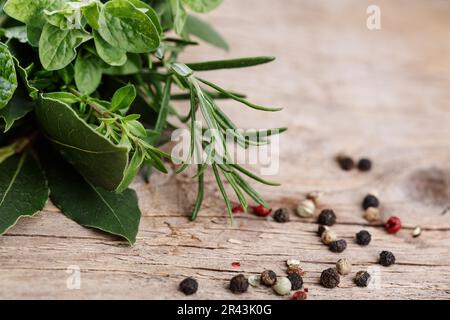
[382,94]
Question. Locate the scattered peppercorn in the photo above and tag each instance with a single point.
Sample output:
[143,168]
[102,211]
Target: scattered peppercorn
[370,201]
[364,164]
[254,280]
[238,209]
[189,286]
[363,238]
[295,269]
[343,266]
[327,217]
[417,232]
[268,278]
[372,214]
[330,278]
[306,208]
[314,196]
[293,263]
[346,163]
[393,225]
[296,281]
[239,284]
[362,278]
[261,211]
[322,229]
[328,236]
[300,295]
[387,258]
[338,246]
[236,264]
[281,215]
[283,286]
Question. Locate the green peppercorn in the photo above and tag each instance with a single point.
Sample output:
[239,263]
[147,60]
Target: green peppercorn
[283,286]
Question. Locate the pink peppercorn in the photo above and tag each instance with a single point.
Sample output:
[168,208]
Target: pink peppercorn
[261,211]
[300,295]
[238,209]
[236,264]
[393,225]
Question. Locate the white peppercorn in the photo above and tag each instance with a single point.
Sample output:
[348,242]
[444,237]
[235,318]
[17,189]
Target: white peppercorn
[306,208]
[283,286]
[372,214]
[343,266]
[328,236]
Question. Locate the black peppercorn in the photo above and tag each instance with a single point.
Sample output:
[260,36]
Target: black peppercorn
[239,284]
[330,278]
[189,286]
[281,215]
[338,246]
[296,280]
[362,278]
[364,164]
[268,278]
[387,258]
[363,238]
[346,163]
[327,217]
[370,201]
[322,229]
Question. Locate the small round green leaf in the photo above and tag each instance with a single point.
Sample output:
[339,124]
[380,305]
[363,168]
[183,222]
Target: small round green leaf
[124,26]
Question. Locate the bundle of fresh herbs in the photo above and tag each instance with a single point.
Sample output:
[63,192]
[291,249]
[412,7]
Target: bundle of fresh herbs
[86,90]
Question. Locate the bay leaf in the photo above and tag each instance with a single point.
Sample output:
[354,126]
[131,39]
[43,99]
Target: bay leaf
[95,157]
[23,189]
[88,205]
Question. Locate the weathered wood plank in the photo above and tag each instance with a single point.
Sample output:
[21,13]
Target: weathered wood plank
[381,94]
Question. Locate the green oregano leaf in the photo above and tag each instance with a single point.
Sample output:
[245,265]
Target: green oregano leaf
[124,26]
[23,189]
[108,53]
[122,99]
[57,47]
[8,77]
[88,73]
[202,6]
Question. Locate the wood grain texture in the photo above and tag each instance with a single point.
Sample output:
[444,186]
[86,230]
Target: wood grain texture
[382,94]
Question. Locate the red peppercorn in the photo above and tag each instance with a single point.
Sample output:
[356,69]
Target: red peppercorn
[261,211]
[238,209]
[393,225]
[300,295]
[236,264]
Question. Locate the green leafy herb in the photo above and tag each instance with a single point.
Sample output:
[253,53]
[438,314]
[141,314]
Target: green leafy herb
[23,189]
[95,102]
